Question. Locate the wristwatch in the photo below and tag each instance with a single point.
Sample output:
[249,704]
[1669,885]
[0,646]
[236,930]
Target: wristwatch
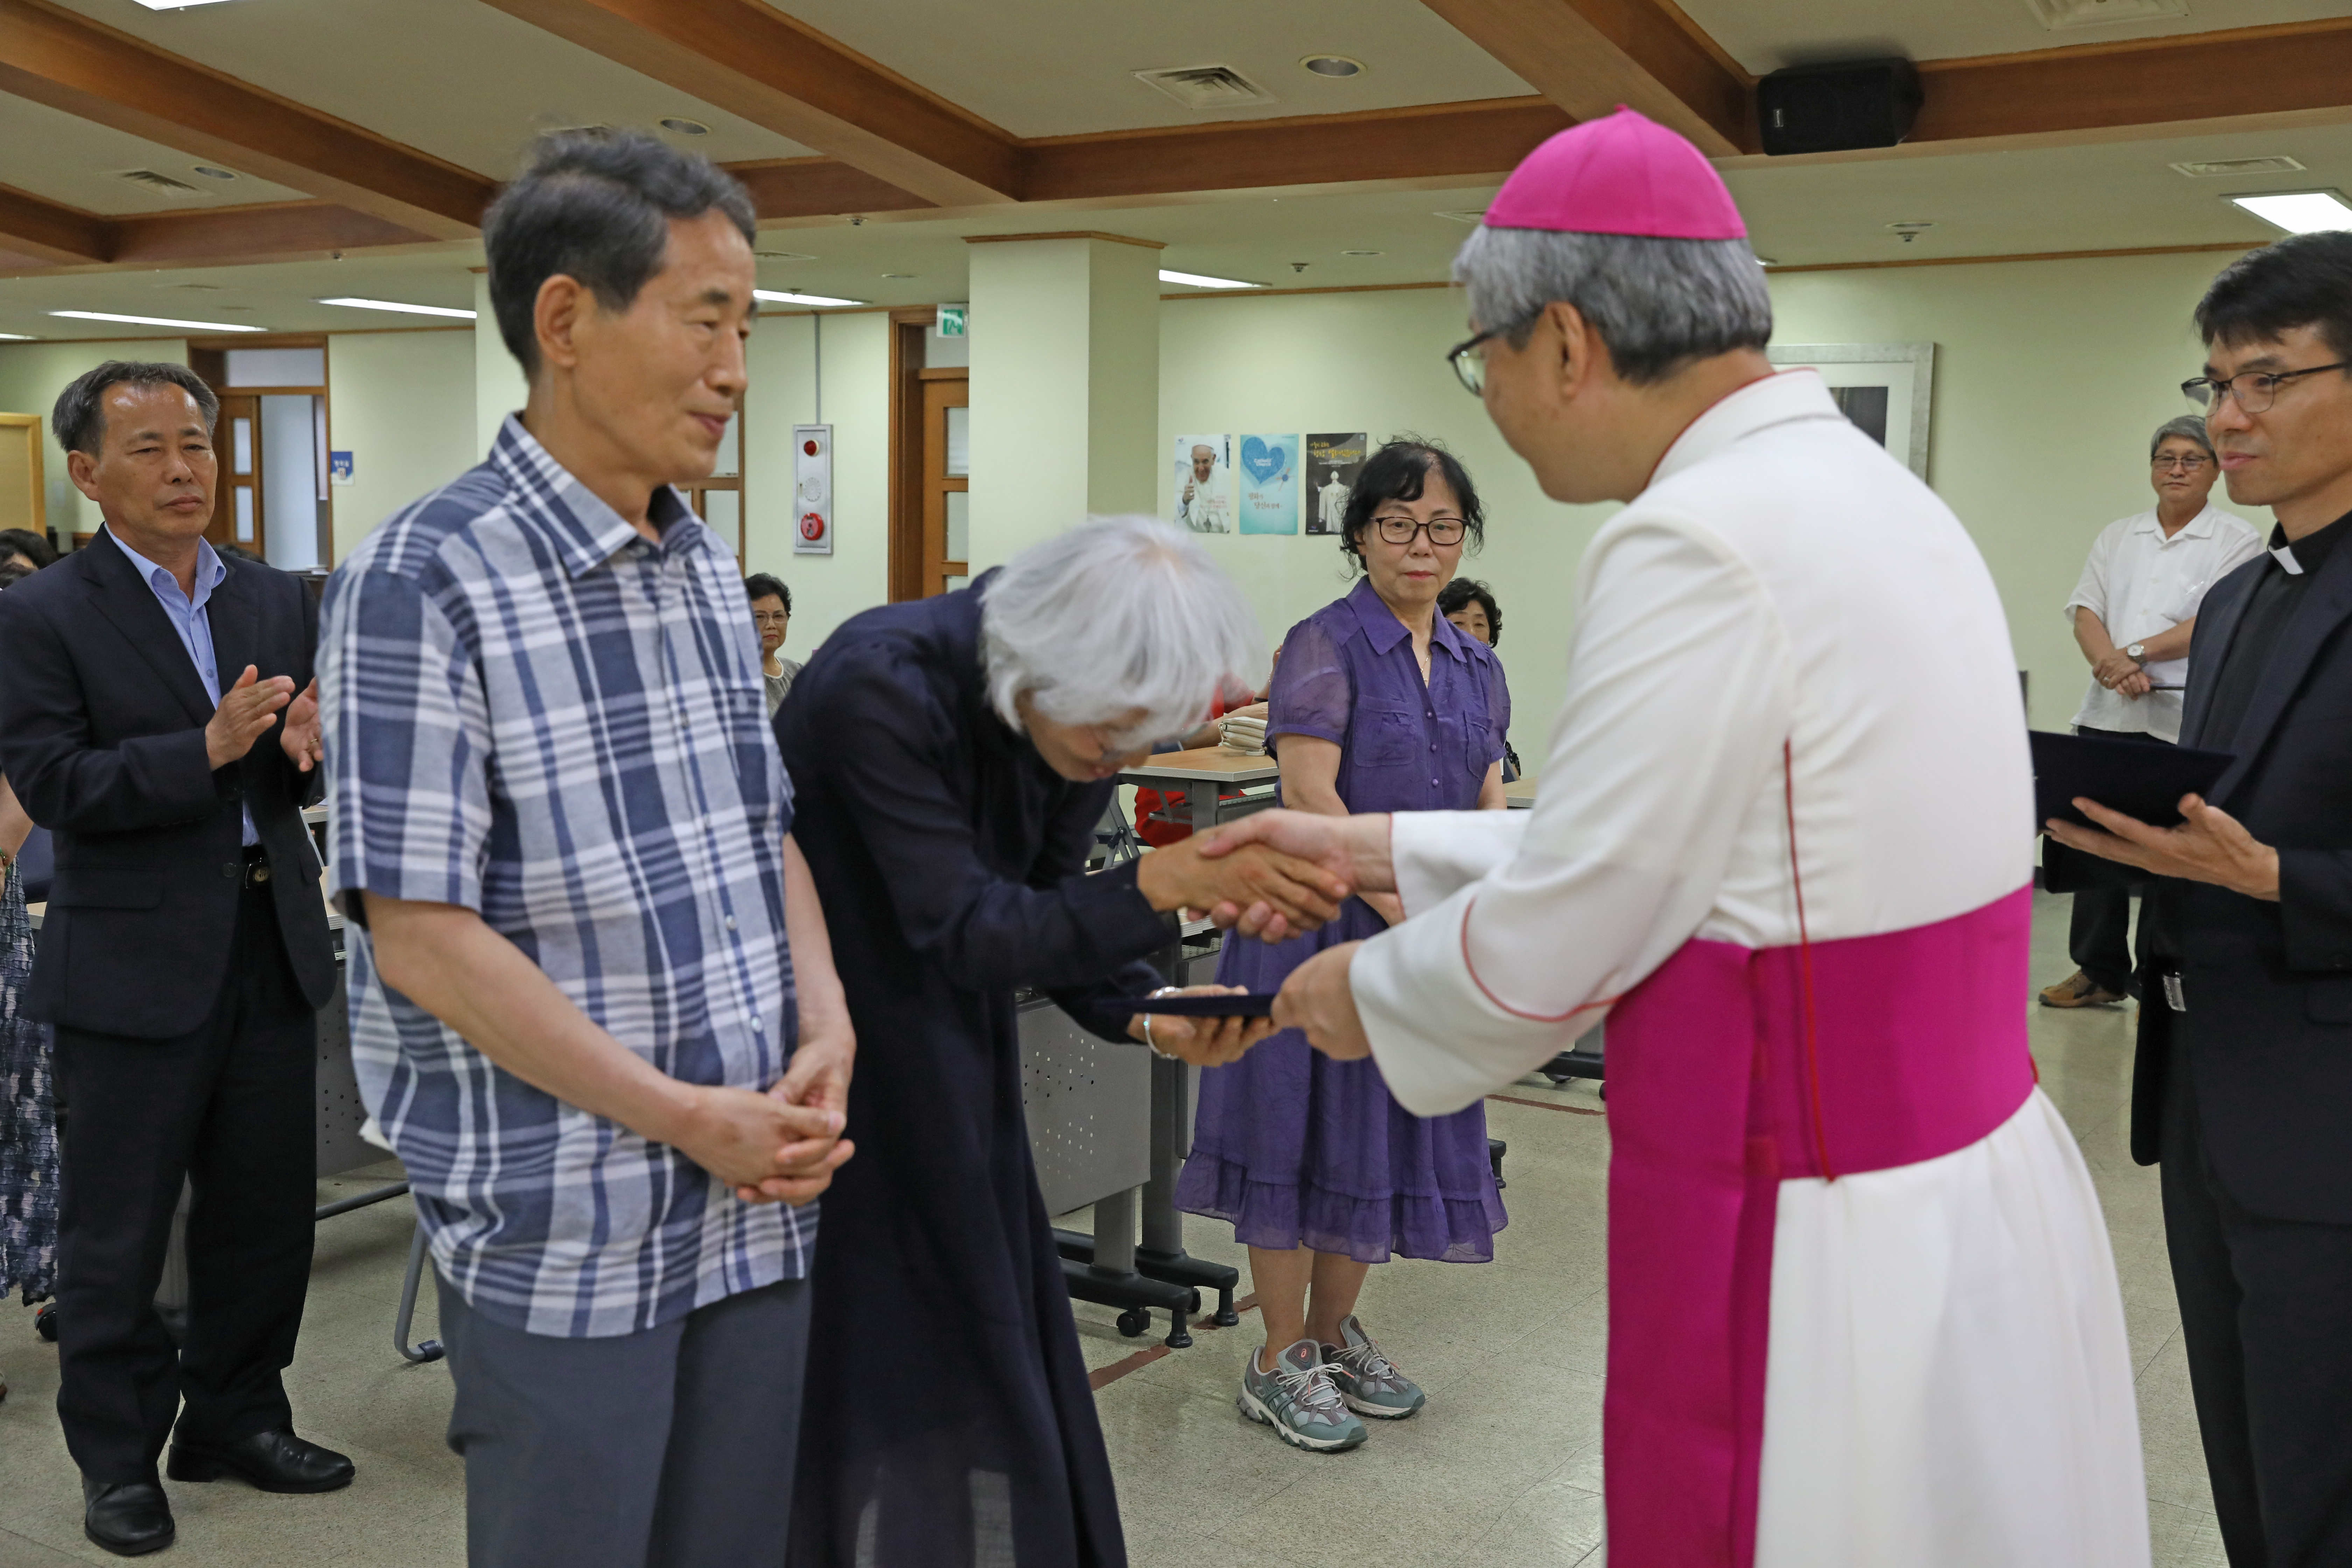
[2136,653]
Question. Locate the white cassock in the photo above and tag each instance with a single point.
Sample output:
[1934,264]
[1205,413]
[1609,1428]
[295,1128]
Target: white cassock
[1862,1311]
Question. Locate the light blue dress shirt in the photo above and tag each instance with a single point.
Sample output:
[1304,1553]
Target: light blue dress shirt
[188,618]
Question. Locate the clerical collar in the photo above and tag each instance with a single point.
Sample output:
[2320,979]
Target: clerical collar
[2310,552]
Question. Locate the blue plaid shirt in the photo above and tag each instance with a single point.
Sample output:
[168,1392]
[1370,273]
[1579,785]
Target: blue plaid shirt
[534,713]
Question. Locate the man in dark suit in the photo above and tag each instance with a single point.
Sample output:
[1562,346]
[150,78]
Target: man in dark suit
[183,956]
[2243,1084]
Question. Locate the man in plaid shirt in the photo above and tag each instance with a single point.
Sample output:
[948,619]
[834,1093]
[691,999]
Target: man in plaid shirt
[592,1002]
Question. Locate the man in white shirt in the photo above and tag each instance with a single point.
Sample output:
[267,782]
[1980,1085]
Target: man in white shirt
[2132,613]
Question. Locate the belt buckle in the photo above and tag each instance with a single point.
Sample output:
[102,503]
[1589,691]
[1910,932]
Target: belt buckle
[2172,997]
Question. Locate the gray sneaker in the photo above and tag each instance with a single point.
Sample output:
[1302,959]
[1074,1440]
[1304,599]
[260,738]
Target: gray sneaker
[1368,1381]
[1296,1400]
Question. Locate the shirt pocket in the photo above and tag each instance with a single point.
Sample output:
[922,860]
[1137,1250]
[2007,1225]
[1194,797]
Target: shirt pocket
[1385,737]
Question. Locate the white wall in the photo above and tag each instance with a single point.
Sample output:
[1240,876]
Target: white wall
[826,589]
[31,376]
[403,404]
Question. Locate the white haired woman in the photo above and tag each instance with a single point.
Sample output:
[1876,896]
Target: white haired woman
[950,759]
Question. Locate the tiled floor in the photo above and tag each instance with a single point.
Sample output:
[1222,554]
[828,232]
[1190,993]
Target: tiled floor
[1504,1468]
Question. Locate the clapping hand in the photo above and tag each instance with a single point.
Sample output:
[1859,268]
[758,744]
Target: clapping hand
[302,739]
[249,707]
[1202,1042]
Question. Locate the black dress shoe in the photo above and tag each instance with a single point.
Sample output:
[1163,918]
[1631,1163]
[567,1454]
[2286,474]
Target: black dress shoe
[130,1518]
[272,1461]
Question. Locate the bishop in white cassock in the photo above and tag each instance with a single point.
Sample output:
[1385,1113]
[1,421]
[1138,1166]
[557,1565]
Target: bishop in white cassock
[1862,1311]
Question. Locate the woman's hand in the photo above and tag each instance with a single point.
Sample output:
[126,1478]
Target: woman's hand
[1203,1042]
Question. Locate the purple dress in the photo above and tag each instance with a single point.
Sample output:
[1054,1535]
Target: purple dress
[1291,1146]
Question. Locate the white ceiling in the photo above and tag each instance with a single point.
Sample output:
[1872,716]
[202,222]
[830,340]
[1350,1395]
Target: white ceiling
[1056,67]
[451,78]
[1765,37]
[60,158]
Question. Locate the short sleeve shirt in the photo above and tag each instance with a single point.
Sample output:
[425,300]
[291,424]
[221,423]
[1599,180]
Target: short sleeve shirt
[534,713]
[1347,675]
[2139,582]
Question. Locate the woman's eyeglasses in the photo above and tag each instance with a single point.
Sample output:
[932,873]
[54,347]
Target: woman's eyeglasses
[1398,528]
[769,618]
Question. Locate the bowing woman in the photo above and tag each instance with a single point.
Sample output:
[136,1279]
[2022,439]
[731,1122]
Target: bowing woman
[1379,704]
[951,758]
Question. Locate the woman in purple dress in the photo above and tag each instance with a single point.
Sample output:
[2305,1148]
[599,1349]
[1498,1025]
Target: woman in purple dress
[1379,704]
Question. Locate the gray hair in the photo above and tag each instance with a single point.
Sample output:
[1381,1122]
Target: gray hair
[79,418]
[1658,304]
[2189,427]
[1118,614]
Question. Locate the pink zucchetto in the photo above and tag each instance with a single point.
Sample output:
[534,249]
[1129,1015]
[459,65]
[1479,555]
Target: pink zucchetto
[1624,174]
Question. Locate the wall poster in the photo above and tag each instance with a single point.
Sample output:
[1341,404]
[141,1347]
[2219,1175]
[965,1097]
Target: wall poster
[1333,461]
[1269,484]
[1205,483]
[1886,389]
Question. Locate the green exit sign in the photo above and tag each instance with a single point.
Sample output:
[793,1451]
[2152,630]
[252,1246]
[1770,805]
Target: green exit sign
[951,321]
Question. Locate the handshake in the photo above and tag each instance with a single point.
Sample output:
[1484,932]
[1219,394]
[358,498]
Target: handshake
[1273,875]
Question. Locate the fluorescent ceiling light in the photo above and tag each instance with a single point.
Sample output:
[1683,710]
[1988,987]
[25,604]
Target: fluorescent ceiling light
[175,4]
[155,322]
[2299,212]
[1200,280]
[784,297]
[396,305]
[16,338]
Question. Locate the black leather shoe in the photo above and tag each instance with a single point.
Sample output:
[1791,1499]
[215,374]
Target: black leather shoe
[271,1461]
[130,1518]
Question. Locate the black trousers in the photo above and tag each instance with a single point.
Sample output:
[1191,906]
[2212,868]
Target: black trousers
[232,1109]
[2098,937]
[2266,1313]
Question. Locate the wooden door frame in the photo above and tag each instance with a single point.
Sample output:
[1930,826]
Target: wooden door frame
[29,428]
[934,571]
[905,570]
[208,357]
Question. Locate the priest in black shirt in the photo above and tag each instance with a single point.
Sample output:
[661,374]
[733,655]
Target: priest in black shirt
[2242,1088]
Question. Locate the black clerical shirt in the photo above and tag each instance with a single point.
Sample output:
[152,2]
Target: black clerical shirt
[2268,609]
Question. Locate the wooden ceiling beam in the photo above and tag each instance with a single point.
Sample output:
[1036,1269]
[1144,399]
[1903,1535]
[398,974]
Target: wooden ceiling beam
[1590,56]
[56,56]
[2157,83]
[751,59]
[787,188]
[47,232]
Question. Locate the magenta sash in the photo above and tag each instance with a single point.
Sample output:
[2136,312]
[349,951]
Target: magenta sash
[1715,1098]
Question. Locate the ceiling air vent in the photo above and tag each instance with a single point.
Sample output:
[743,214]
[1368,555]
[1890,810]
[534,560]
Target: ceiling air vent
[2060,15]
[2221,167]
[159,185]
[1207,87]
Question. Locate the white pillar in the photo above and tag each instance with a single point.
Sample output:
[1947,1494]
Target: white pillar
[1064,385]
[499,386]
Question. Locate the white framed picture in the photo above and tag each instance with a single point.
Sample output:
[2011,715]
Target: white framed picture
[1886,389]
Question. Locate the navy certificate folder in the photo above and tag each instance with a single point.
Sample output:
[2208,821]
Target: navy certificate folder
[2130,776]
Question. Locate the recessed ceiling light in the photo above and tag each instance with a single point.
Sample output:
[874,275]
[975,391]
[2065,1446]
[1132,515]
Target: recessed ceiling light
[213,172]
[1766,261]
[685,127]
[2299,212]
[155,320]
[396,305]
[193,288]
[1199,280]
[1363,253]
[781,297]
[1338,66]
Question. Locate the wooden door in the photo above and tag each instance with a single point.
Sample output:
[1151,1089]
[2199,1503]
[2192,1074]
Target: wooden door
[946,479]
[237,496]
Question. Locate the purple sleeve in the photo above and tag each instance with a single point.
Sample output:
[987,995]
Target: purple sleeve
[1311,694]
[1499,706]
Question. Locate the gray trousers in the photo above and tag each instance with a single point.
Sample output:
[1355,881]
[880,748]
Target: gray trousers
[669,1448]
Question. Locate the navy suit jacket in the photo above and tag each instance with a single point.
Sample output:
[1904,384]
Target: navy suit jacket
[2268,985]
[102,735]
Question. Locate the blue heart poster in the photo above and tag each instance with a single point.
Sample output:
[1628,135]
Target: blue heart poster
[1269,484]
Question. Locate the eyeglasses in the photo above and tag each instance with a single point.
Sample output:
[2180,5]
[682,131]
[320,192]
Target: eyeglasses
[2255,390]
[770,617]
[1398,528]
[1470,364]
[2188,464]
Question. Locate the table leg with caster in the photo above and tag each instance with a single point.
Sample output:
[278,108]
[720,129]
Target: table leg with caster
[431,1349]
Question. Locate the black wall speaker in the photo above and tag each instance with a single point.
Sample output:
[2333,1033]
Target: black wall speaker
[1837,108]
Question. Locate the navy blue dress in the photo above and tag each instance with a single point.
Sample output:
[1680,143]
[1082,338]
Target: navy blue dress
[948,1417]
[1292,1147]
